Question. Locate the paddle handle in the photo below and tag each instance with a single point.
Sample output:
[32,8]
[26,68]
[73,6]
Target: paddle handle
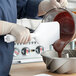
[10,38]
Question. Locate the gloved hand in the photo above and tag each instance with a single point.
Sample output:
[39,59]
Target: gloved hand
[63,3]
[47,5]
[22,34]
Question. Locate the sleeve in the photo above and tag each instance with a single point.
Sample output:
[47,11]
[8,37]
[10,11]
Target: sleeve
[27,8]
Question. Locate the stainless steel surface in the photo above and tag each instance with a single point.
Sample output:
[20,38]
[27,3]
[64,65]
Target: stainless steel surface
[60,65]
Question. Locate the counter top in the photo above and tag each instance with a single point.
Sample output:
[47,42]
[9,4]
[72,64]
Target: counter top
[32,69]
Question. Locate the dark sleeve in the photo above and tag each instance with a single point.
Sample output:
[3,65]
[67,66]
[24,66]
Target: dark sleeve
[27,8]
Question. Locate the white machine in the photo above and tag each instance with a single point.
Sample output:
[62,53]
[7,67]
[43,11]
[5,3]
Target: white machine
[27,53]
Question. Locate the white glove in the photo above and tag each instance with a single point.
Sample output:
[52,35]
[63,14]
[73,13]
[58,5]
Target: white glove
[63,3]
[22,34]
[47,5]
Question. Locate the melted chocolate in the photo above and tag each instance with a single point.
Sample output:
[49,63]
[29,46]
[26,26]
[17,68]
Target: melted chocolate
[66,31]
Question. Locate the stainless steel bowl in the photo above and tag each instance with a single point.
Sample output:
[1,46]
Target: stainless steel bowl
[60,65]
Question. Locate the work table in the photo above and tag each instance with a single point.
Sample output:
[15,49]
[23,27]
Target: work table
[32,69]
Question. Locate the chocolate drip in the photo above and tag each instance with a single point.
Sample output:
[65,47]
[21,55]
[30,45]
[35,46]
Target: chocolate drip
[66,31]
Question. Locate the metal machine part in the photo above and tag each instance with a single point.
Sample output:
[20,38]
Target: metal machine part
[60,65]
[27,53]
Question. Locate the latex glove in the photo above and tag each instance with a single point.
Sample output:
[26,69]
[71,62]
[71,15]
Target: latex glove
[63,3]
[22,34]
[47,5]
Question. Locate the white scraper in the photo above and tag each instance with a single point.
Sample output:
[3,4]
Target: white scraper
[46,34]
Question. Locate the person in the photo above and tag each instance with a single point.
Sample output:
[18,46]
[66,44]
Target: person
[10,10]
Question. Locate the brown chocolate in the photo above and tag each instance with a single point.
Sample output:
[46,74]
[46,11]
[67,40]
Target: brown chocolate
[66,31]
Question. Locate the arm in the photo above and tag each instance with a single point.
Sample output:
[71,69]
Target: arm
[22,34]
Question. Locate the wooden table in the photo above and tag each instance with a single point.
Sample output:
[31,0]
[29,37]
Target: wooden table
[32,69]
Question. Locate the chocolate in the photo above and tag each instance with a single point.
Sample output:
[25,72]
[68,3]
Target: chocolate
[67,29]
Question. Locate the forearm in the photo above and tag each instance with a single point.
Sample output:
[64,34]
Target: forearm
[22,34]
[6,27]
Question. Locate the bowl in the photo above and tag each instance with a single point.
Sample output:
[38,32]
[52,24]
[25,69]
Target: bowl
[60,65]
